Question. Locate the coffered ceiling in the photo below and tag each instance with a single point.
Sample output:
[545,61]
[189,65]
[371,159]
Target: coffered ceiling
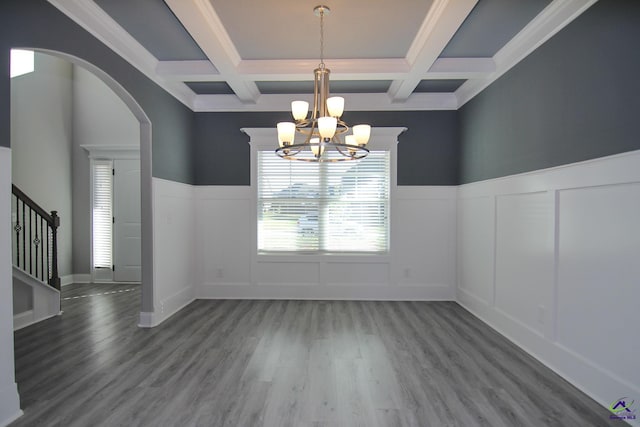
[250,55]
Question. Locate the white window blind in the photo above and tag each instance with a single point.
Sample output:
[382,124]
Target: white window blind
[102,213]
[323,207]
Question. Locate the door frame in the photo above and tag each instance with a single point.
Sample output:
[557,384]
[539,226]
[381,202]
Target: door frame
[111,153]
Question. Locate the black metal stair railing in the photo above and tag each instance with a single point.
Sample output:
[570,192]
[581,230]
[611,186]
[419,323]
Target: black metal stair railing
[35,242]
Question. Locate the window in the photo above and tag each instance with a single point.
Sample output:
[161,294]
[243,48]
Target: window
[323,207]
[102,213]
[22,62]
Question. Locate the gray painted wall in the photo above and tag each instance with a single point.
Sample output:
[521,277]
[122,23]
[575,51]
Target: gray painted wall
[574,98]
[41,139]
[100,117]
[50,29]
[427,152]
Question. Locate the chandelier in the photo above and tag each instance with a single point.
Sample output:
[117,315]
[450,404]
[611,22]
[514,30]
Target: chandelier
[323,130]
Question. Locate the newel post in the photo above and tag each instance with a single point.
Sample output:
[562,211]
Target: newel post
[55,279]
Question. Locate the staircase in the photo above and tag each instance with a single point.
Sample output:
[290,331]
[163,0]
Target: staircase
[36,283]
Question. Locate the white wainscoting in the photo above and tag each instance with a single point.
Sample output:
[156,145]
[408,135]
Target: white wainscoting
[551,259]
[9,398]
[420,265]
[173,250]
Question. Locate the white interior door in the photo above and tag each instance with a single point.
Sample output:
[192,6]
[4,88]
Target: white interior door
[126,221]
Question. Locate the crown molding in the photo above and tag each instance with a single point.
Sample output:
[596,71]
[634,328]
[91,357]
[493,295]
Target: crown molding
[97,22]
[441,23]
[206,28]
[406,73]
[552,19]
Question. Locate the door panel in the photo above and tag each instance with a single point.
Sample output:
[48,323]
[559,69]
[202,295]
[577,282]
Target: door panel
[126,209]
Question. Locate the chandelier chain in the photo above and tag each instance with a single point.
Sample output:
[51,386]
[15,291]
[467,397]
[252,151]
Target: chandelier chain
[321,38]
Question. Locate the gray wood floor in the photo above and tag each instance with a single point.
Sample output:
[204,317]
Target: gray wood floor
[283,363]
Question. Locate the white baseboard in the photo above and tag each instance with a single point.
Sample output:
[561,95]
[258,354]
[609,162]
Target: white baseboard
[328,292]
[75,278]
[9,404]
[167,308]
[27,318]
[22,320]
[567,364]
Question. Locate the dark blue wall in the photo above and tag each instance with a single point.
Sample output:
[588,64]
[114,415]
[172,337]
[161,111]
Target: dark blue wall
[427,152]
[577,97]
[37,24]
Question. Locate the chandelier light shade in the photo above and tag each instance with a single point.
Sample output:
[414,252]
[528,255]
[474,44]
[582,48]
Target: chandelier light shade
[324,134]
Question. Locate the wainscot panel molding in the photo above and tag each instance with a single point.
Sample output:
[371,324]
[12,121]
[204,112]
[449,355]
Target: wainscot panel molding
[419,266]
[550,259]
[173,247]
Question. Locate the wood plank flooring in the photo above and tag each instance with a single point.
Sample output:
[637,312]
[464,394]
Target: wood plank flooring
[283,363]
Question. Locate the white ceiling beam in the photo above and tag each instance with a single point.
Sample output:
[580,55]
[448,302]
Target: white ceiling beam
[206,28]
[97,22]
[439,26]
[461,68]
[552,19]
[188,71]
[283,70]
[353,102]
[341,69]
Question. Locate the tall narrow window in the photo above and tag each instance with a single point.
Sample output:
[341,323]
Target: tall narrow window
[323,207]
[102,213]
[22,62]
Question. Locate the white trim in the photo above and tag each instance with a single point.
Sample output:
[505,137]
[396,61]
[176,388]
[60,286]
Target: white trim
[552,19]
[209,33]
[439,26]
[166,309]
[112,152]
[341,69]
[27,318]
[560,177]
[21,320]
[353,102]
[97,22]
[75,279]
[585,371]
[421,61]
[9,397]
[350,292]
[461,68]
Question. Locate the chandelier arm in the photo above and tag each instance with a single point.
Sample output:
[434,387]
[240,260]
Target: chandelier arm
[315,148]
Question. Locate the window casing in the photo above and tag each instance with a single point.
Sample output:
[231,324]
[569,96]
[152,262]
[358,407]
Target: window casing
[323,208]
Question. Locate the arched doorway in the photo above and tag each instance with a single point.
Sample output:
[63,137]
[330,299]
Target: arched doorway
[147,300]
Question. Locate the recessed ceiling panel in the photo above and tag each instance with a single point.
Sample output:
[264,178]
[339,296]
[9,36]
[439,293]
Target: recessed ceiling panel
[438,86]
[155,27]
[288,29]
[210,88]
[338,86]
[490,25]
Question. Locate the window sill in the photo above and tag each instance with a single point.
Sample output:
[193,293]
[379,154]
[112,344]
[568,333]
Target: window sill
[328,257]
